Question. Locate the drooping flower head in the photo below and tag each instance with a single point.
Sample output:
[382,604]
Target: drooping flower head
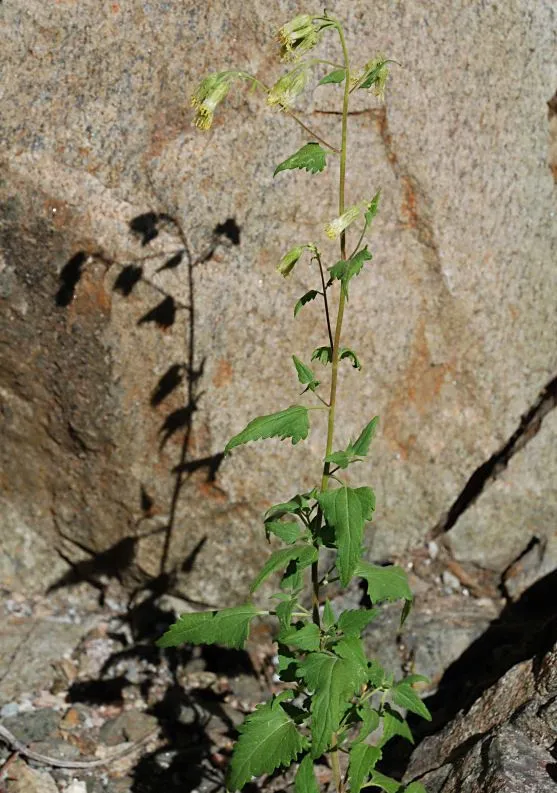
[375,75]
[210,92]
[298,37]
[334,229]
[288,87]
[290,259]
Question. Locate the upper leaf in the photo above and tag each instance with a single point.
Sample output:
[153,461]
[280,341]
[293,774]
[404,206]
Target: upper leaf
[287,531]
[354,450]
[334,681]
[363,759]
[280,559]
[353,621]
[394,724]
[373,208]
[305,375]
[370,721]
[346,352]
[305,781]
[328,615]
[323,354]
[405,697]
[306,638]
[290,423]
[415,787]
[311,157]
[229,627]
[346,509]
[385,583]
[311,295]
[336,76]
[386,783]
[346,269]
[268,739]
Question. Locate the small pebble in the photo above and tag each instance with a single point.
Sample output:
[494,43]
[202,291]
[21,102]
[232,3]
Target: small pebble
[11,709]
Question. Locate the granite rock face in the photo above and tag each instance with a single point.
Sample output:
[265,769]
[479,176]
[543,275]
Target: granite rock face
[112,363]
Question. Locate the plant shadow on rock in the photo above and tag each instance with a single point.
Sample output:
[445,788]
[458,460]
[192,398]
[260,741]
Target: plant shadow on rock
[184,761]
[525,629]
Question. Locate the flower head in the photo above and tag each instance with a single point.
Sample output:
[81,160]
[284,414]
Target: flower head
[288,87]
[375,75]
[298,36]
[210,92]
[334,229]
[290,259]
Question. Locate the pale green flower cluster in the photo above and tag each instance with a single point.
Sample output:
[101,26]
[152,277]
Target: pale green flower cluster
[289,86]
[210,92]
[298,36]
[290,259]
[334,229]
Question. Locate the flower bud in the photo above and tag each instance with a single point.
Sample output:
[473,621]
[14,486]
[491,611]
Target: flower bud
[288,87]
[375,75]
[298,36]
[290,259]
[210,92]
[334,229]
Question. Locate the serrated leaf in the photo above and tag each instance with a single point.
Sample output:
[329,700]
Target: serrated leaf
[333,681]
[405,697]
[311,157]
[305,781]
[386,783]
[336,76]
[287,665]
[307,298]
[268,739]
[415,787]
[305,375]
[328,615]
[411,679]
[228,627]
[287,531]
[361,445]
[290,423]
[346,352]
[363,759]
[284,612]
[394,724]
[376,673]
[322,354]
[372,209]
[306,638]
[292,507]
[282,558]
[370,721]
[347,509]
[384,583]
[353,621]
[345,270]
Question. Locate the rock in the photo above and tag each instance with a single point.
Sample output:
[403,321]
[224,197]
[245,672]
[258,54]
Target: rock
[76,786]
[32,726]
[456,318]
[505,761]
[23,779]
[56,748]
[131,725]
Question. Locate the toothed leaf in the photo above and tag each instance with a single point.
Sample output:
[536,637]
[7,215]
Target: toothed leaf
[394,724]
[363,759]
[345,270]
[384,583]
[311,157]
[322,354]
[290,423]
[305,781]
[305,375]
[360,446]
[306,638]
[405,697]
[353,621]
[288,532]
[268,739]
[282,558]
[346,352]
[328,615]
[307,298]
[347,509]
[229,627]
[386,783]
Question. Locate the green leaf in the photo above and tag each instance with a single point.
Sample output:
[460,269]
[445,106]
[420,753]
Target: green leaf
[333,681]
[322,354]
[287,531]
[353,621]
[372,209]
[384,583]
[328,615]
[386,783]
[292,507]
[363,759]
[305,375]
[376,673]
[411,679]
[415,787]
[280,559]
[346,509]
[284,612]
[342,459]
[405,697]
[305,781]
[287,665]
[290,423]
[307,298]
[361,445]
[370,721]
[229,627]
[306,638]
[268,739]
[345,270]
[346,352]
[311,157]
[394,724]
[336,76]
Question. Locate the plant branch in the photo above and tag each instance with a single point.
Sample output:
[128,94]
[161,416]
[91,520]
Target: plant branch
[326,302]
